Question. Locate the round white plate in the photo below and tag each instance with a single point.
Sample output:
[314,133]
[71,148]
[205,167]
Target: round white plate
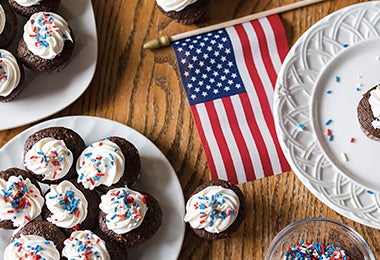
[158,178]
[46,94]
[322,78]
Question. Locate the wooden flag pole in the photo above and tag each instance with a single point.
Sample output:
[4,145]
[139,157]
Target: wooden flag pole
[165,40]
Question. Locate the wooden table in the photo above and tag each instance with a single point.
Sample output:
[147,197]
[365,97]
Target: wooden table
[142,89]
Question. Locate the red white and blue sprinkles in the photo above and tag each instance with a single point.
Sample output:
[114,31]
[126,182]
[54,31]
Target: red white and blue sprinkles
[3,73]
[307,250]
[85,245]
[17,197]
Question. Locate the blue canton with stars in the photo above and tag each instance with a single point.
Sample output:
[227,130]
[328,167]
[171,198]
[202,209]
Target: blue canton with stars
[208,67]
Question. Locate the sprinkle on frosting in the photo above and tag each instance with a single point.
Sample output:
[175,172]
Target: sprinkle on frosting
[67,204]
[49,157]
[214,209]
[45,34]
[100,163]
[85,245]
[125,209]
[20,200]
[31,247]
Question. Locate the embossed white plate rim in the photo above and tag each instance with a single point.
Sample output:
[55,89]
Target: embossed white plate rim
[316,187]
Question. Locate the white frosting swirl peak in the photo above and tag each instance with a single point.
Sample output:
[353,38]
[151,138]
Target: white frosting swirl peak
[67,204]
[27,3]
[374,101]
[125,209]
[31,247]
[49,157]
[214,209]
[3,19]
[100,163]
[20,200]
[9,72]
[174,5]
[85,245]
[45,34]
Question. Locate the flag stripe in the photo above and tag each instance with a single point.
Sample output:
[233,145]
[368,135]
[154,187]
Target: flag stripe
[248,137]
[221,142]
[243,152]
[256,66]
[265,56]
[205,142]
[272,46]
[261,107]
[231,140]
[280,39]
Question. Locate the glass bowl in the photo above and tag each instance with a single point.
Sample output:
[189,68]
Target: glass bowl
[322,230]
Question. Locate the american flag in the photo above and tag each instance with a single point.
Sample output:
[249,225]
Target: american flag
[229,77]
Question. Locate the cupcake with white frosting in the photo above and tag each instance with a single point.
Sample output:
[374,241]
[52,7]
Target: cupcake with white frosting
[107,164]
[128,216]
[368,112]
[8,24]
[71,207]
[31,247]
[38,239]
[184,11]
[20,198]
[50,154]
[215,209]
[28,7]
[47,43]
[11,76]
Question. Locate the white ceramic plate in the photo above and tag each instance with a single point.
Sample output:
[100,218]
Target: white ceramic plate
[46,94]
[345,45]
[158,178]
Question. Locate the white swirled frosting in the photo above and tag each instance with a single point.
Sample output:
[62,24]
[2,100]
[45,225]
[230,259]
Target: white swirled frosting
[10,74]
[174,5]
[31,247]
[125,209]
[214,209]
[45,34]
[67,204]
[85,245]
[3,19]
[374,101]
[27,3]
[100,163]
[50,158]
[20,200]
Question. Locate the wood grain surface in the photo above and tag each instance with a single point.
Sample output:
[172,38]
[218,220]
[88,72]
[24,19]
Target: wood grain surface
[142,89]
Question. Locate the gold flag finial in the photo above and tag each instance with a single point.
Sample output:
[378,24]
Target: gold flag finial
[158,42]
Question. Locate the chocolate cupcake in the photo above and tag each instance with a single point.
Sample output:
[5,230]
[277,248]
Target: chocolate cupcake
[8,24]
[368,112]
[107,164]
[184,11]
[70,207]
[47,43]
[215,209]
[45,240]
[11,76]
[129,217]
[85,244]
[20,198]
[28,7]
[50,153]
